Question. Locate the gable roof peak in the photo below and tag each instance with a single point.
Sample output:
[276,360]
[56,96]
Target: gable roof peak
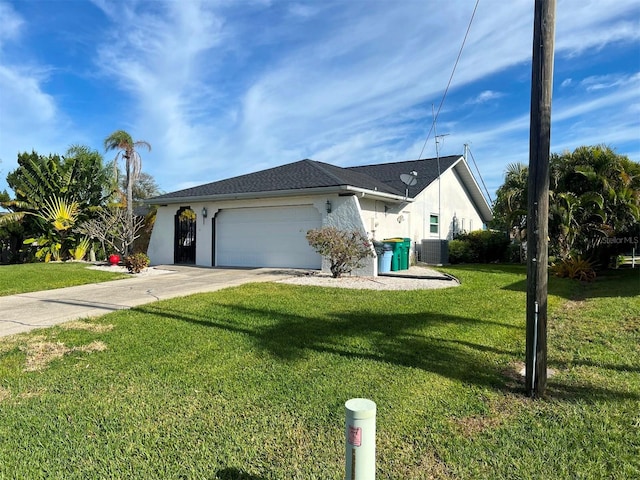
[427,170]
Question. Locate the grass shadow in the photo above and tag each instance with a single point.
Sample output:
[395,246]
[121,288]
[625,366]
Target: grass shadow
[235,474]
[590,363]
[402,339]
[586,393]
[610,283]
[414,340]
[492,268]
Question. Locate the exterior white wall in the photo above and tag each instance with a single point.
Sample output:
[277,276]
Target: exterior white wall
[346,214]
[161,244]
[387,220]
[160,250]
[376,219]
[454,201]
[412,220]
[204,237]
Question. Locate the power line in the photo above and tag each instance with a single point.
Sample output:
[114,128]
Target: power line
[450,78]
[479,174]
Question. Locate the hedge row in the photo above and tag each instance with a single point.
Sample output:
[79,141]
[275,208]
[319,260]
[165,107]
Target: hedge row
[482,246]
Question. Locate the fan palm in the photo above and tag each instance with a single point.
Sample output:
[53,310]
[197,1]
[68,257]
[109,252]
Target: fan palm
[58,212]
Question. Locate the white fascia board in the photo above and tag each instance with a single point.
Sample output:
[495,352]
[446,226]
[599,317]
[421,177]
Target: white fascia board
[470,183]
[279,193]
[363,192]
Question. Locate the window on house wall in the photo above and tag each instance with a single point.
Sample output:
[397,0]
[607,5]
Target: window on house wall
[463,225]
[433,223]
[471,225]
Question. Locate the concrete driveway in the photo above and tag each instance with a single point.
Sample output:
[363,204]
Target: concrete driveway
[24,312]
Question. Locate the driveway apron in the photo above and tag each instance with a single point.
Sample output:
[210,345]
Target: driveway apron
[28,311]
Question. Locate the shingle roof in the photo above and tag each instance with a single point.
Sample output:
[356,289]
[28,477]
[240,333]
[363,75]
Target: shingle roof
[426,169]
[307,174]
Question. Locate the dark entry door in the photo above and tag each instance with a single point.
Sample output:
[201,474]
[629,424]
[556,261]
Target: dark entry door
[185,236]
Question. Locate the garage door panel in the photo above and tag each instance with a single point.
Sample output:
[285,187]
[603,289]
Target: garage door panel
[267,237]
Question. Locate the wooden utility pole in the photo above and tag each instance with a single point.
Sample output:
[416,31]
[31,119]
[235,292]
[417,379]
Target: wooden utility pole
[538,197]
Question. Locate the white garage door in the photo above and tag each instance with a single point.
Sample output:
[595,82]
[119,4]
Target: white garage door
[266,237]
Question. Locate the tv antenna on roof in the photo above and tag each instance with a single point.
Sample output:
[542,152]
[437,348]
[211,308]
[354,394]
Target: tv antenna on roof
[409,179]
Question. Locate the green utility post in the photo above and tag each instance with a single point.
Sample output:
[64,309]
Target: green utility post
[360,439]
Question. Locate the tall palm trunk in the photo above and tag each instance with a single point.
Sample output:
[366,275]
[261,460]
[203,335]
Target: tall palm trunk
[129,218]
[122,141]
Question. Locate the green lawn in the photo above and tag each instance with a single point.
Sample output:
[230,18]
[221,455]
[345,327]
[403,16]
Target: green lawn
[33,277]
[250,382]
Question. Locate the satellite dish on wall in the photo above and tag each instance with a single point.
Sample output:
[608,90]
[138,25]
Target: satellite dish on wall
[409,179]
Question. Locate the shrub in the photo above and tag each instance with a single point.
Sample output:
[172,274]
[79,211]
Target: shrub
[618,261]
[345,250]
[576,268]
[460,252]
[136,263]
[515,253]
[480,246]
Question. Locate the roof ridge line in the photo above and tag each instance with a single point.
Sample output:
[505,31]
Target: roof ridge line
[405,161]
[319,165]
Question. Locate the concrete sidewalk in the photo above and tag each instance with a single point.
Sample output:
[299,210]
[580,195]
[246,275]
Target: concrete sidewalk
[27,311]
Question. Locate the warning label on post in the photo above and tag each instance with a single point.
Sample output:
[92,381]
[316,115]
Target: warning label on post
[355,436]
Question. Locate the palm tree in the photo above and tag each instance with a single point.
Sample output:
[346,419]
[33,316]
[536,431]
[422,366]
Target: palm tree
[573,217]
[126,147]
[59,214]
[510,206]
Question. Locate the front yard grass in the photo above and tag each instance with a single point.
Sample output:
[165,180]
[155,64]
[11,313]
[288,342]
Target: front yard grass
[33,277]
[250,382]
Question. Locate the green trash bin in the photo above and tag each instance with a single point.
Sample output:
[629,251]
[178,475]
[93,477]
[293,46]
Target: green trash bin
[407,251]
[397,244]
[403,249]
[403,256]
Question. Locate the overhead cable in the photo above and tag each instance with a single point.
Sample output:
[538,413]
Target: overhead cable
[450,78]
[480,175]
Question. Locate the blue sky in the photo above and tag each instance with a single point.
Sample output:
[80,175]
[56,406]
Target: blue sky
[227,87]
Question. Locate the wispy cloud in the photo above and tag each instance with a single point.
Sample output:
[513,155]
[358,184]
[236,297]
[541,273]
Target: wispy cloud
[25,106]
[224,88]
[578,119]
[11,23]
[603,82]
[485,96]
[340,99]
[303,10]
[583,26]
[162,58]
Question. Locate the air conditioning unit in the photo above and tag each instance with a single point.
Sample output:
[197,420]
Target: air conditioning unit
[435,252]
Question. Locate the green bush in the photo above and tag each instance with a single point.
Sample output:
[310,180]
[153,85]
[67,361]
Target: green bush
[345,250]
[514,253]
[481,246]
[460,252]
[137,262]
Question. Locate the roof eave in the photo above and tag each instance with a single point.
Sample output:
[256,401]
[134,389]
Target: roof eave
[377,194]
[462,168]
[340,189]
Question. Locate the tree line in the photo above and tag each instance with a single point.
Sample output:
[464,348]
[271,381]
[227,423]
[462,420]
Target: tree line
[594,205]
[76,205]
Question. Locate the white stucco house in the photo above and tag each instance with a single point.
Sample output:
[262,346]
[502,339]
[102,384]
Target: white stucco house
[261,219]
